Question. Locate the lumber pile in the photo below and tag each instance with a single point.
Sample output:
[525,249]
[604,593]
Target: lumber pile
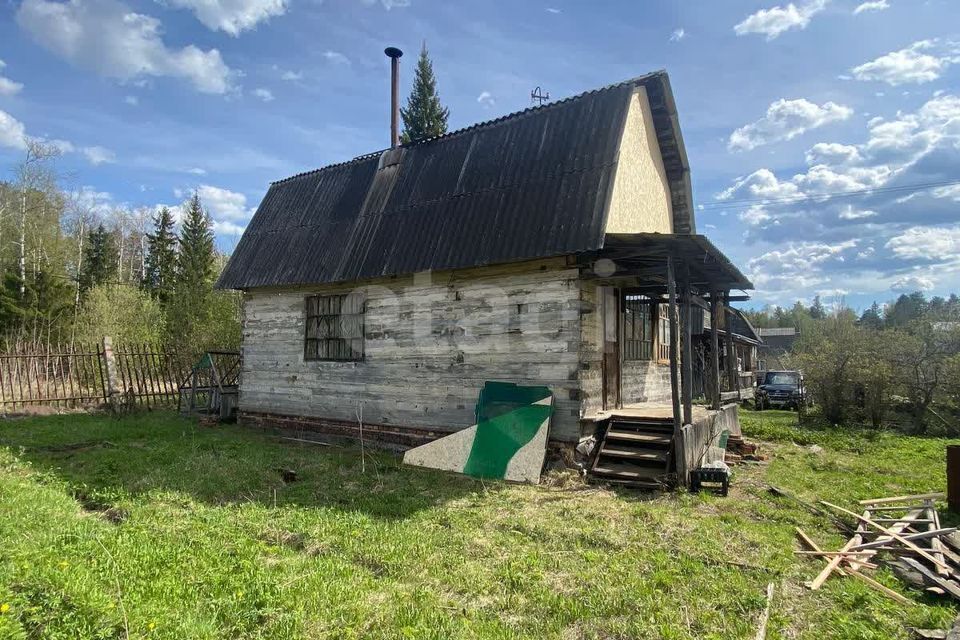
[902,532]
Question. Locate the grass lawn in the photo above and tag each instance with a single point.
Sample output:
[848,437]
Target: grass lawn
[152,527]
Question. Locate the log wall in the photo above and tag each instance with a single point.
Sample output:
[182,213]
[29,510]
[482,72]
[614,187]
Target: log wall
[432,340]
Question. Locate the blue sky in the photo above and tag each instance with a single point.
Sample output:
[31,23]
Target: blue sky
[780,104]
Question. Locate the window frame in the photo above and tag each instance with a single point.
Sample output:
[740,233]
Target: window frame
[638,313]
[326,311]
[663,332]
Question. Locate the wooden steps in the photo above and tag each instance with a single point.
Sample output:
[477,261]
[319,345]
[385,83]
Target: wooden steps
[635,452]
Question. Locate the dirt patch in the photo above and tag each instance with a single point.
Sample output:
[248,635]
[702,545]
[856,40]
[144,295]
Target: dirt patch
[284,538]
[374,566]
[105,510]
[75,447]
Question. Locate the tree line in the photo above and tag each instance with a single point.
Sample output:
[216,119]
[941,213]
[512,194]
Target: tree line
[898,362]
[72,272]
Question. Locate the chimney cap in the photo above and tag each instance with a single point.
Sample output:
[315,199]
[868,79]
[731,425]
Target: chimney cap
[393,52]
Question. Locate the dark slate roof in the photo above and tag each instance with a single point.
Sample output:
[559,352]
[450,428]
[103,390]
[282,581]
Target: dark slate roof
[532,184]
[741,326]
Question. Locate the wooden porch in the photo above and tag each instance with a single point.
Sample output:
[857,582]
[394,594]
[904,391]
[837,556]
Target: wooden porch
[680,273]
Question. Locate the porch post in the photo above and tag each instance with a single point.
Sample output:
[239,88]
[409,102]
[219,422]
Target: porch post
[714,349]
[687,360]
[674,351]
[733,381]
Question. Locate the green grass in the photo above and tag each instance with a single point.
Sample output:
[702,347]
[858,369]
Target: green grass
[153,527]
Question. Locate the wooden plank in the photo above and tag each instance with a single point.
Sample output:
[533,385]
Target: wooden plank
[834,563]
[765,616]
[920,496]
[645,438]
[877,544]
[936,542]
[896,520]
[853,572]
[892,534]
[932,577]
[881,588]
[831,554]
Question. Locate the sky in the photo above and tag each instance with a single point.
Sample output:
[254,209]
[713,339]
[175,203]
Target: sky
[823,135]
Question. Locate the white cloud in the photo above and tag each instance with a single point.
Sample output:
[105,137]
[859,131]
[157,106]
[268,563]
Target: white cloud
[7,86]
[913,148]
[486,99]
[226,228]
[822,179]
[935,244]
[388,4]
[92,201]
[12,132]
[678,35]
[110,39]
[798,266]
[336,57]
[553,10]
[832,153]
[785,120]
[871,5]
[264,94]
[909,284]
[921,62]
[98,155]
[197,171]
[131,100]
[850,213]
[762,183]
[774,21]
[291,76]
[223,204]
[755,215]
[232,16]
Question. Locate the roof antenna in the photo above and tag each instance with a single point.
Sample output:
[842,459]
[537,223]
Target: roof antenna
[539,97]
[394,54]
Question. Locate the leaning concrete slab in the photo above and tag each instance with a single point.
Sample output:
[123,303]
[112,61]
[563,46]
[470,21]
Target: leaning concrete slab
[508,442]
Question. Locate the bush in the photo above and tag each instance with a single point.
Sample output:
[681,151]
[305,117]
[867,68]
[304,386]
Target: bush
[122,312]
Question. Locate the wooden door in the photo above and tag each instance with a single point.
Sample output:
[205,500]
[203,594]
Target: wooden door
[610,309]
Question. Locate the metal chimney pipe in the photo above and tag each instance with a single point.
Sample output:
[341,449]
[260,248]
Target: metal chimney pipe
[394,54]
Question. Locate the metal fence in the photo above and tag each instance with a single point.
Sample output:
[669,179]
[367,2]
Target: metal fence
[72,376]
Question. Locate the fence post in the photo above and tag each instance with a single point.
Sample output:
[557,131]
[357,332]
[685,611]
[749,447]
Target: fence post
[110,369]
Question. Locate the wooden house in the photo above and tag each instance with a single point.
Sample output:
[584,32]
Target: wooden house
[555,246]
[778,343]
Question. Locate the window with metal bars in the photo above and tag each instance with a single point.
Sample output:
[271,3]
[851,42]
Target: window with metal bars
[663,341]
[334,327]
[637,328]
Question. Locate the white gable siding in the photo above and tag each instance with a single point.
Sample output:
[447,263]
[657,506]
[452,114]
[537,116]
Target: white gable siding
[641,194]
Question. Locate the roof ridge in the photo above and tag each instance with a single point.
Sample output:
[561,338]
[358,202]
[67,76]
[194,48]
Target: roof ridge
[482,124]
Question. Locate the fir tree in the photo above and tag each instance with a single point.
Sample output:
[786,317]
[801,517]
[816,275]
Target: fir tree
[424,116]
[872,318]
[190,311]
[817,310]
[161,265]
[195,259]
[100,259]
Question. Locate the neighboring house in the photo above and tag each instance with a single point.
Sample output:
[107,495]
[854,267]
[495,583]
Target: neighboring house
[539,248]
[778,342]
[744,343]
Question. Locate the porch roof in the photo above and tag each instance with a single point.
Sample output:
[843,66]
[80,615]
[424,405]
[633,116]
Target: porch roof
[645,254]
